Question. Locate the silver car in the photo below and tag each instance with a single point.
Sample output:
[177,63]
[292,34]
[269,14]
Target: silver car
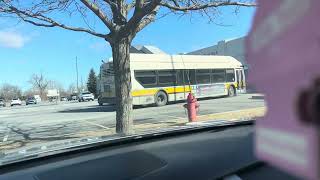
[86,96]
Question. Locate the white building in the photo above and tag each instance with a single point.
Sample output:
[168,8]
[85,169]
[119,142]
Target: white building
[232,47]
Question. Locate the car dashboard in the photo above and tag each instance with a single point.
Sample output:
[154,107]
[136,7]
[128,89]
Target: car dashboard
[213,153]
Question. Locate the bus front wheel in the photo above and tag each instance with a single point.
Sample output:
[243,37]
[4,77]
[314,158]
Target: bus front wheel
[231,91]
[161,98]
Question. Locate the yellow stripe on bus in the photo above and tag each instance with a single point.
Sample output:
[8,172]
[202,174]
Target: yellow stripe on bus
[227,85]
[144,92]
[177,89]
[153,91]
[169,90]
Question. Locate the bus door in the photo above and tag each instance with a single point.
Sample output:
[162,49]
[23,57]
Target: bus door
[240,78]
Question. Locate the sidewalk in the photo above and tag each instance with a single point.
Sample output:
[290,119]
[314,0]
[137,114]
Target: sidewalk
[244,114]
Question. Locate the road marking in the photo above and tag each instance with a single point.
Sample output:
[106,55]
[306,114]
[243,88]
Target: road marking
[176,117]
[99,125]
[5,138]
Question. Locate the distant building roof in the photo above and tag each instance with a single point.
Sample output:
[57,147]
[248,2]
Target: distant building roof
[146,50]
[134,50]
[152,50]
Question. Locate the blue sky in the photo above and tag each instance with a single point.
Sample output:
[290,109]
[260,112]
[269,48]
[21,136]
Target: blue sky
[26,49]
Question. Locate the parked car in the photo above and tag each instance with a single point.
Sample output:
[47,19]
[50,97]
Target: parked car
[31,100]
[63,99]
[15,101]
[2,103]
[86,96]
[73,97]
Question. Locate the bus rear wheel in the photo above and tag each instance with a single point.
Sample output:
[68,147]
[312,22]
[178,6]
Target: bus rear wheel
[231,91]
[161,98]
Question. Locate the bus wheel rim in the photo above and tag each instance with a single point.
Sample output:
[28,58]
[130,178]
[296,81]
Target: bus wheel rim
[231,91]
[160,99]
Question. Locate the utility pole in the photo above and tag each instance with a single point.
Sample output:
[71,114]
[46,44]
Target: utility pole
[82,86]
[77,74]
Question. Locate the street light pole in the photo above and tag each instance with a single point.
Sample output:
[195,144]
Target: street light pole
[77,74]
[82,86]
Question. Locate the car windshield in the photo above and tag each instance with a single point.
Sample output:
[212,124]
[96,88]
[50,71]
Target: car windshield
[166,70]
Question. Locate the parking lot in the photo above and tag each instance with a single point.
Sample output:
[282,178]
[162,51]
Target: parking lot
[25,125]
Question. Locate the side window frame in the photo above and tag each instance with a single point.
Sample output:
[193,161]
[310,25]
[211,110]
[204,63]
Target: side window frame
[199,73]
[234,75]
[216,72]
[172,73]
[136,75]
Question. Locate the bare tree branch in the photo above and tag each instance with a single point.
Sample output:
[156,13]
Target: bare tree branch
[148,19]
[131,5]
[198,6]
[95,9]
[83,15]
[140,13]
[8,91]
[175,3]
[40,83]
[48,22]
[163,15]
[111,3]
[139,4]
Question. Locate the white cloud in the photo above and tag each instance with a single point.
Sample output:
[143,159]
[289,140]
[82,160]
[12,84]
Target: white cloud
[10,39]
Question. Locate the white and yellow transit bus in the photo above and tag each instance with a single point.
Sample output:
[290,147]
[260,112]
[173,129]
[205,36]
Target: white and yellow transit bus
[160,78]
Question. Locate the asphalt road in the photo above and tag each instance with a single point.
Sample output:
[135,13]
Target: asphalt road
[19,126]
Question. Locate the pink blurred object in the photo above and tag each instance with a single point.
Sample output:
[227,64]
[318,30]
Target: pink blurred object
[283,49]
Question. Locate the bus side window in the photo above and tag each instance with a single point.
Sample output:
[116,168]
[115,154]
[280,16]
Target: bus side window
[218,75]
[180,80]
[167,77]
[230,76]
[146,78]
[203,76]
[186,77]
[192,76]
[189,76]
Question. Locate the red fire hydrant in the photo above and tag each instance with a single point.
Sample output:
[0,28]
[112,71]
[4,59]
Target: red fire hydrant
[192,107]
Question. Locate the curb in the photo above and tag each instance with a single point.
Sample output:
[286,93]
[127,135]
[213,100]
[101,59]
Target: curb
[258,97]
[222,117]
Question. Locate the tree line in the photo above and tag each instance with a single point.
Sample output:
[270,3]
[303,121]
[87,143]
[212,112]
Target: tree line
[40,84]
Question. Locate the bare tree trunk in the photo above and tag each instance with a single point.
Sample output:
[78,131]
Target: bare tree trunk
[41,94]
[121,65]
